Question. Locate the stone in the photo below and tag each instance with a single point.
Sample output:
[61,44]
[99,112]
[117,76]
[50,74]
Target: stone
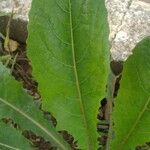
[21,8]
[129,22]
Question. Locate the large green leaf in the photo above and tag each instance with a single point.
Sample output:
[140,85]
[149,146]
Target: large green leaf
[17,105]
[68,49]
[11,139]
[132,107]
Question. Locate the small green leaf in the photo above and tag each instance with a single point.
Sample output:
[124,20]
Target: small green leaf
[17,105]
[68,49]
[11,139]
[132,106]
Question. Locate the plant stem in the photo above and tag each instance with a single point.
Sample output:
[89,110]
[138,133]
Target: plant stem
[13,62]
[109,106]
[2,36]
[6,57]
[6,42]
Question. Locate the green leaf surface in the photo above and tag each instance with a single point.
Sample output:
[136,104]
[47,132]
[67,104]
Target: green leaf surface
[68,49]
[132,106]
[17,105]
[11,139]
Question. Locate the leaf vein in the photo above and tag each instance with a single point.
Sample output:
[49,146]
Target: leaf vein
[33,121]
[76,77]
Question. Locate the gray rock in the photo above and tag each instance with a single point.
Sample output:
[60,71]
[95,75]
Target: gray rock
[21,8]
[129,22]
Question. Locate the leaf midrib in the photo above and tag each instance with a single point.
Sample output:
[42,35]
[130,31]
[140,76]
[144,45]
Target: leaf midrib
[34,122]
[7,146]
[136,122]
[76,77]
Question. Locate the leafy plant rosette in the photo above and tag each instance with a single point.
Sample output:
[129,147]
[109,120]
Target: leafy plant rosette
[69,52]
